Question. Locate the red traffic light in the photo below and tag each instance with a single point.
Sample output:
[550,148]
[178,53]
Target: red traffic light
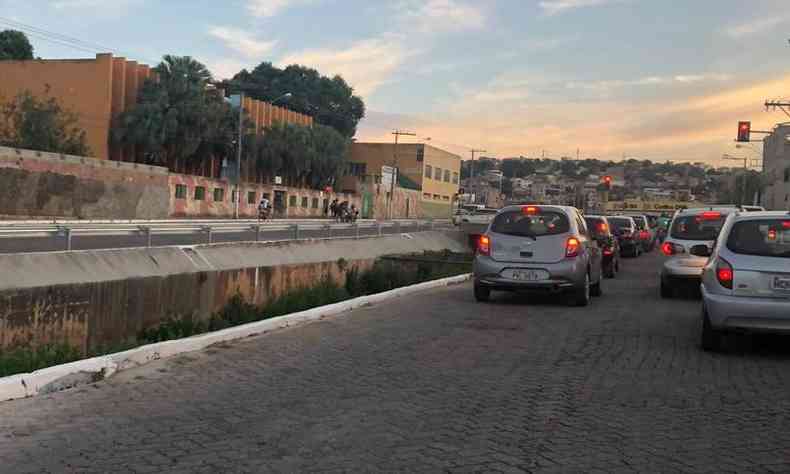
[607,179]
[744,131]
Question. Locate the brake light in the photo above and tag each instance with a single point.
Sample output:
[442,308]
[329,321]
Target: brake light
[644,234]
[572,247]
[724,273]
[711,215]
[484,245]
[608,251]
[603,227]
[772,234]
[668,249]
[530,210]
[785,224]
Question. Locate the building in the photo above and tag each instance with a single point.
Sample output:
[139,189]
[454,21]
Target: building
[776,167]
[434,172]
[100,89]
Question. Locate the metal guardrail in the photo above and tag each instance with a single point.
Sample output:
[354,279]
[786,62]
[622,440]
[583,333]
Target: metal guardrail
[208,228]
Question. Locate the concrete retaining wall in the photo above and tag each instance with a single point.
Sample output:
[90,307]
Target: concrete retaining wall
[97,299]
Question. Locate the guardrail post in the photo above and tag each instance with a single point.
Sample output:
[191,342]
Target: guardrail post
[258,233]
[67,233]
[295,228]
[397,227]
[356,230]
[430,224]
[378,228]
[147,232]
[207,229]
[329,231]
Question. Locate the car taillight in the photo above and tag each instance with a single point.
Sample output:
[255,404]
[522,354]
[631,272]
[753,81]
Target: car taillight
[484,245]
[668,249]
[785,224]
[644,234]
[572,247]
[724,273]
[608,251]
[603,227]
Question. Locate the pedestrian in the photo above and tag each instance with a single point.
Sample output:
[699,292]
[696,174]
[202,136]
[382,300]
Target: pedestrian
[263,209]
[333,208]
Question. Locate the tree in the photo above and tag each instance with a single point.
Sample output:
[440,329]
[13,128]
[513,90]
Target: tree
[41,124]
[15,45]
[330,101]
[179,120]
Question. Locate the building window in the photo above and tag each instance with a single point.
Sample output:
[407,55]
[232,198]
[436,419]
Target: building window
[455,178]
[787,174]
[181,191]
[446,176]
[426,195]
[428,171]
[436,197]
[315,203]
[219,194]
[437,174]
[445,198]
[251,197]
[305,200]
[292,201]
[266,196]
[357,169]
[200,193]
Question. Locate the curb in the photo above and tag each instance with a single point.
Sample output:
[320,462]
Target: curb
[63,377]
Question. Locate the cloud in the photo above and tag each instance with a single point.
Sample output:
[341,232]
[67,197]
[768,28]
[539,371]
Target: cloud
[441,15]
[223,68]
[608,86]
[366,64]
[270,8]
[242,41]
[555,7]
[73,4]
[756,26]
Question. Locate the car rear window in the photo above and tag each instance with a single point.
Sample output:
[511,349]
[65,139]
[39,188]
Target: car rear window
[640,223]
[620,223]
[766,238]
[596,225]
[696,227]
[534,225]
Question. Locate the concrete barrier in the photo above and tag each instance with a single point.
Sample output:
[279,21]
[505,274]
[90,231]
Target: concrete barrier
[67,376]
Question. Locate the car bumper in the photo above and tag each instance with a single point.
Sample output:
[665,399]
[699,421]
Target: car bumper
[563,276]
[747,314]
[683,268]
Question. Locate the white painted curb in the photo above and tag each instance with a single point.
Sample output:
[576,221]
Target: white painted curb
[65,376]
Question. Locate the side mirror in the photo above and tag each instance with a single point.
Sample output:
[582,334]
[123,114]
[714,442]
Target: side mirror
[700,251]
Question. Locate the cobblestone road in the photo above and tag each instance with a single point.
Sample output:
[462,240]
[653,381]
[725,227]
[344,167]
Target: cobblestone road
[435,383]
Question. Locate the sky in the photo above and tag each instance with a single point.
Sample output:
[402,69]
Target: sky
[647,79]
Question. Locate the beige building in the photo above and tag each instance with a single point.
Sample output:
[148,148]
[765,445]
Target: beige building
[776,168]
[434,172]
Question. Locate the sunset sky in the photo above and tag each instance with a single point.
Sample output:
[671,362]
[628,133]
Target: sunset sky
[651,79]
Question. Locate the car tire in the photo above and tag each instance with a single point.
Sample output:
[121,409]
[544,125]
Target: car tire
[711,338]
[667,291]
[596,289]
[611,271]
[482,294]
[582,295]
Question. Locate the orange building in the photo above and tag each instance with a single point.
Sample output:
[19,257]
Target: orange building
[100,89]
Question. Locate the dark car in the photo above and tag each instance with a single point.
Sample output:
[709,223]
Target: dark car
[645,234]
[624,228]
[601,231]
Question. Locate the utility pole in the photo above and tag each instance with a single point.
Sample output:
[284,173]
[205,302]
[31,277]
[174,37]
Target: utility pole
[396,171]
[237,202]
[472,170]
[773,105]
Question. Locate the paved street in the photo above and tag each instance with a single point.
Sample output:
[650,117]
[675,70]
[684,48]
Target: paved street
[436,383]
[81,242]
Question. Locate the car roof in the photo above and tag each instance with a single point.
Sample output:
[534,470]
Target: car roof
[756,216]
[699,210]
[518,207]
[620,216]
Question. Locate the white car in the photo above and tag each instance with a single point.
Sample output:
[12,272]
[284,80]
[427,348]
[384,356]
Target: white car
[746,281]
[689,241]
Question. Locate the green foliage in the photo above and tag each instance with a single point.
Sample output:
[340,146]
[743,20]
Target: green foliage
[178,118]
[330,101]
[172,328]
[41,124]
[20,361]
[15,45]
[303,156]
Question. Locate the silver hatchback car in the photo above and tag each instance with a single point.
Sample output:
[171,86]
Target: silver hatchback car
[746,282]
[540,249]
[691,236]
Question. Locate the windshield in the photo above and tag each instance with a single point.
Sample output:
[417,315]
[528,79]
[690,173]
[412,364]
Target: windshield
[620,223]
[697,227]
[640,222]
[534,225]
[766,238]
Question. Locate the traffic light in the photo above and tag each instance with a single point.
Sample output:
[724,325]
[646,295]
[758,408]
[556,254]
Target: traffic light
[744,131]
[607,181]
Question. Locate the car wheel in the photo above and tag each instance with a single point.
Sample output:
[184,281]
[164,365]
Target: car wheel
[667,291]
[482,294]
[711,338]
[611,270]
[596,290]
[583,294]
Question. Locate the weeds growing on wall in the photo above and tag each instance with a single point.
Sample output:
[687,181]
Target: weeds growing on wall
[386,274]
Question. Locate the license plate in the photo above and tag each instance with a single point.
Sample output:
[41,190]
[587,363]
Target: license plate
[781,283]
[526,275]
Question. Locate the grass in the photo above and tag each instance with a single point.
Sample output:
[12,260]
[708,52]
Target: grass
[385,275]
